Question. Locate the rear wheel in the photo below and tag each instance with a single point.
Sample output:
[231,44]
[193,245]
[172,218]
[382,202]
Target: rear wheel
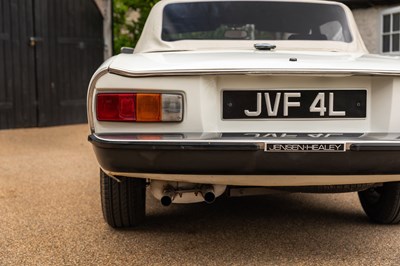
[123,203]
[382,204]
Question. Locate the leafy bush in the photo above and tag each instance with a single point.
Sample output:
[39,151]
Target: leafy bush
[126,32]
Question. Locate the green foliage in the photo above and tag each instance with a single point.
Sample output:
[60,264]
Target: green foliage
[127,33]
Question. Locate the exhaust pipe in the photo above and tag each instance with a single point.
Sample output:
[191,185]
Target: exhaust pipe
[168,196]
[180,192]
[207,191]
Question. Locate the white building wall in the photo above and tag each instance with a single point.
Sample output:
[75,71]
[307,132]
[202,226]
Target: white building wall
[369,24]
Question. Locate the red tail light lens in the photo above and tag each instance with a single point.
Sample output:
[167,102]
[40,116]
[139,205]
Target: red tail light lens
[116,107]
[127,108]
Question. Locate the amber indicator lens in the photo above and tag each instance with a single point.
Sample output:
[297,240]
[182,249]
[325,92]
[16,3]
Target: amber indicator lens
[148,107]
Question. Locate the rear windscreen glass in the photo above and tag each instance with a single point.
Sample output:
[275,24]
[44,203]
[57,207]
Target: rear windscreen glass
[239,20]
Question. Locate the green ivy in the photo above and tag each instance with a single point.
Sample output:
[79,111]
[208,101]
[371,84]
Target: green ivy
[127,33]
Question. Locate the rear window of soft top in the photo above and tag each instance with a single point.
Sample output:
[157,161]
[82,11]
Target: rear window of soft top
[254,20]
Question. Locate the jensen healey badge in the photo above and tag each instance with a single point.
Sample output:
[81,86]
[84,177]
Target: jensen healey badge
[305,147]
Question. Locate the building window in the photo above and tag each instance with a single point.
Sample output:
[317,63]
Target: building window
[390,42]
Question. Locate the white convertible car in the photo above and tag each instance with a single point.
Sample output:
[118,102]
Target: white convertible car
[246,98]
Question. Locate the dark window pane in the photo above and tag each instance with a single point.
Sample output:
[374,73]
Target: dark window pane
[386,43]
[252,20]
[396,22]
[396,43]
[386,23]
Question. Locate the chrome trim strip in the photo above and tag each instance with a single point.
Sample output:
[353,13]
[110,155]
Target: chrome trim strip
[265,180]
[89,98]
[261,143]
[213,72]
[372,146]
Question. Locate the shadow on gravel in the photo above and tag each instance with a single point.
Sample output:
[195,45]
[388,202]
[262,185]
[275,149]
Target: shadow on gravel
[287,228]
[272,210]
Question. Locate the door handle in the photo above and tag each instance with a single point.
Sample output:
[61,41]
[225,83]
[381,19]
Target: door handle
[34,40]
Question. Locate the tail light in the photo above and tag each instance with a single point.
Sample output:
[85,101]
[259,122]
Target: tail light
[139,107]
[148,107]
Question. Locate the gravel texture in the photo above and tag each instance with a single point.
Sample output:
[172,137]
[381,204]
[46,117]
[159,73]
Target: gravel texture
[50,215]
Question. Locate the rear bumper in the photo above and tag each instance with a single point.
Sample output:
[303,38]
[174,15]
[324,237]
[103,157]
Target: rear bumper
[168,155]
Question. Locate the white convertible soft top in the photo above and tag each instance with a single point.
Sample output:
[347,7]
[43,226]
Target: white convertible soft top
[150,40]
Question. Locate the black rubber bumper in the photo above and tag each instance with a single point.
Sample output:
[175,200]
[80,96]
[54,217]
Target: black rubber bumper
[240,158]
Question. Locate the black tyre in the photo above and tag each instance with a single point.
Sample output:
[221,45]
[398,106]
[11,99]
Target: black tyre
[382,204]
[123,203]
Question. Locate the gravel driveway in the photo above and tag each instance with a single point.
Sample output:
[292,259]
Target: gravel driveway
[50,215]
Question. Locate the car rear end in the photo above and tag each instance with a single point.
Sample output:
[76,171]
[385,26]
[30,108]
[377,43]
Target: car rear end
[193,119]
[331,125]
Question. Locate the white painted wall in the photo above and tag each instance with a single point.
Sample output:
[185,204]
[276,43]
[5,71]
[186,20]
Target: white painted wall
[369,24]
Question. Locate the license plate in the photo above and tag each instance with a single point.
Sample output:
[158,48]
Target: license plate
[262,104]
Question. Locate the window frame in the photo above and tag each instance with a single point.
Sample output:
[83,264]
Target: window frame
[389,11]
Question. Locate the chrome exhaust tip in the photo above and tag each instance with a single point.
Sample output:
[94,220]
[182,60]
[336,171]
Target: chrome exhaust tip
[167,197]
[208,194]
[166,201]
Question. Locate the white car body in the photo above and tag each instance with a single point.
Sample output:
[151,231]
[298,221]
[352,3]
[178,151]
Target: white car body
[202,70]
